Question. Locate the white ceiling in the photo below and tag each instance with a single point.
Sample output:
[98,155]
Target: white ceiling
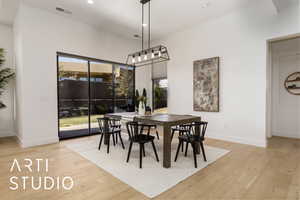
[123,17]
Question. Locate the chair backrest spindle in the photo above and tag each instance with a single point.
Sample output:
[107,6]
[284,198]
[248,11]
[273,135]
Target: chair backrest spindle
[132,129]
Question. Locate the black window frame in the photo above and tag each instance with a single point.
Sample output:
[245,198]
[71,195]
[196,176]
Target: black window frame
[89,60]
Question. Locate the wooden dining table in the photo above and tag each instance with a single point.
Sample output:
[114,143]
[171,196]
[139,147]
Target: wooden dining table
[167,121]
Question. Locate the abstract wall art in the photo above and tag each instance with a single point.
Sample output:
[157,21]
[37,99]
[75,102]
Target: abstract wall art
[206,85]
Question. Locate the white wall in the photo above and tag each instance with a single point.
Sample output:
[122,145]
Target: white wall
[285,106]
[39,35]
[7,115]
[239,39]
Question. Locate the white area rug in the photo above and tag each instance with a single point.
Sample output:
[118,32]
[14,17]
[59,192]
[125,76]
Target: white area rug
[152,179]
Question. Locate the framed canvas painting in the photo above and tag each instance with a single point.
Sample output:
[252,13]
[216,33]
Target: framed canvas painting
[206,85]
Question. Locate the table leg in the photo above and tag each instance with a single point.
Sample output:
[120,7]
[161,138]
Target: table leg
[197,132]
[167,146]
[106,129]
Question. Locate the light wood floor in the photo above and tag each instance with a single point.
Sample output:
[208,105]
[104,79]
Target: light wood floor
[246,173]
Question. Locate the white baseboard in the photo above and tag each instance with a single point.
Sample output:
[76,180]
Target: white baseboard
[6,133]
[294,135]
[25,143]
[237,140]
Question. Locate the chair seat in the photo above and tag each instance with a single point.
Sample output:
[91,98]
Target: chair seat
[113,130]
[116,128]
[141,138]
[191,138]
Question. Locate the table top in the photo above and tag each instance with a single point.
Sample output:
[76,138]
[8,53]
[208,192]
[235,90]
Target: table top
[168,119]
[159,119]
[123,115]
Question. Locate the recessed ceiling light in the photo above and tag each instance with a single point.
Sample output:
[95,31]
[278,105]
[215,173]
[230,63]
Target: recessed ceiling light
[205,4]
[144,25]
[90,1]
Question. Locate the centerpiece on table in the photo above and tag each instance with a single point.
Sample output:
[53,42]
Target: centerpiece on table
[141,102]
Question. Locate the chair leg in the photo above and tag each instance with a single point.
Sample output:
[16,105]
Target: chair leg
[129,151]
[155,152]
[142,130]
[182,147]
[108,143]
[203,152]
[157,134]
[143,146]
[186,149]
[117,138]
[100,141]
[173,131]
[114,142]
[149,130]
[195,155]
[178,148]
[121,140]
[141,156]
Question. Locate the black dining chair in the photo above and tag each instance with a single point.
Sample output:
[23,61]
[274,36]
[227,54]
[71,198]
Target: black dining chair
[192,138]
[136,136]
[182,130]
[116,124]
[113,130]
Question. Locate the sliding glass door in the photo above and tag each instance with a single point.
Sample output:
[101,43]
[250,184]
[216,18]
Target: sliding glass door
[101,91]
[88,89]
[73,93]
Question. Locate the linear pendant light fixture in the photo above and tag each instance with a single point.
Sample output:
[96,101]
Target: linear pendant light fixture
[149,55]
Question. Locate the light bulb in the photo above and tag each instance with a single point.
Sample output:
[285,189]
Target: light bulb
[145,57]
[152,54]
[159,53]
[133,59]
[139,58]
[90,1]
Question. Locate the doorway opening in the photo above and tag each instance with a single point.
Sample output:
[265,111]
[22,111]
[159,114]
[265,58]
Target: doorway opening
[284,88]
[87,89]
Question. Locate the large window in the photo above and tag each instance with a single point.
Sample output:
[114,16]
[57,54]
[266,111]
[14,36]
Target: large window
[88,89]
[160,95]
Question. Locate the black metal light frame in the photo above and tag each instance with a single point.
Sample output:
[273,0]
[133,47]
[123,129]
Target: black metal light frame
[153,55]
[153,51]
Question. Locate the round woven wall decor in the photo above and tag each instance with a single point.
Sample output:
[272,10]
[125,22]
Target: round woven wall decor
[292,83]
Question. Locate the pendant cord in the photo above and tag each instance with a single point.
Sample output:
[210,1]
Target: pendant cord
[142,26]
[149,27]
